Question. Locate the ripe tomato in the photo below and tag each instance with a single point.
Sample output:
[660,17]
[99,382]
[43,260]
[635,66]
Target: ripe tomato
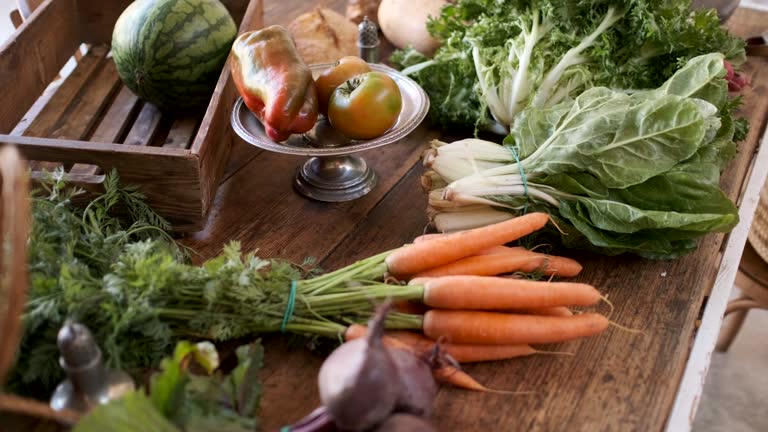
[344,69]
[365,106]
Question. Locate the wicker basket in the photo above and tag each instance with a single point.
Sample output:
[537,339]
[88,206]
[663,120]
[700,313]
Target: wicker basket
[14,225]
[758,233]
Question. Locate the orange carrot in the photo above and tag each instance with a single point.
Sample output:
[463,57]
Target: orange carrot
[452,375]
[418,257]
[490,251]
[493,293]
[462,353]
[445,373]
[494,250]
[552,311]
[426,237]
[507,329]
[514,259]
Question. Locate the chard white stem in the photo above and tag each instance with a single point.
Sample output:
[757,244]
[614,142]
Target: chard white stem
[425,64]
[459,221]
[480,149]
[489,91]
[521,86]
[465,199]
[517,190]
[573,57]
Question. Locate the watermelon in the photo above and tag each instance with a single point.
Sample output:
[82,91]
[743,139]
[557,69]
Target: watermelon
[171,52]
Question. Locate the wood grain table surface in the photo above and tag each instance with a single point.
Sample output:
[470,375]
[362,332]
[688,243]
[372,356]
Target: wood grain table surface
[617,381]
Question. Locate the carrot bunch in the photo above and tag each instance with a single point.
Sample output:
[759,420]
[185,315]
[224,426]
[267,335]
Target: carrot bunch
[478,315]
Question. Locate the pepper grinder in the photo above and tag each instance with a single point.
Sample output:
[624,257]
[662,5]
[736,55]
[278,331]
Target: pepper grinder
[88,382]
[368,40]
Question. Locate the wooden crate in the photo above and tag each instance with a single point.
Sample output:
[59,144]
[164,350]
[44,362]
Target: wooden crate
[90,123]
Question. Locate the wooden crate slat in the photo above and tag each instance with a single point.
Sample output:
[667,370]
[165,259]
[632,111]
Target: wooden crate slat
[215,138]
[181,133]
[34,55]
[89,104]
[88,107]
[170,178]
[118,117]
[42,124]
[112,125]
[145,126]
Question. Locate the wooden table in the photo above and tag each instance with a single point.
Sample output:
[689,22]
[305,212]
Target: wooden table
[617,381]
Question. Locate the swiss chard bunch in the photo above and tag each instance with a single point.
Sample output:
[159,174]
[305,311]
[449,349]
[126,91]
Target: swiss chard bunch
[179,400]
[622,173]
[500,56]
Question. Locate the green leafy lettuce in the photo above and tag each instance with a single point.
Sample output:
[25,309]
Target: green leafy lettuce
[500,56]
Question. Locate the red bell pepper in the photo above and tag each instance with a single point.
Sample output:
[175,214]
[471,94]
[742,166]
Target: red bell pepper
[274,82]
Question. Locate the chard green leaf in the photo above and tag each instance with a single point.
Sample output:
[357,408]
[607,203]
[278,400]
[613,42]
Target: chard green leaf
[167,386]
[650,244]
[701,78]
[134,412]
[620,139]
[653,137]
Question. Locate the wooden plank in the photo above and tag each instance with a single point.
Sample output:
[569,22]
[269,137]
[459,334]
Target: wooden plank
[64,95]
[181,133]
[33,56]
[215,137]
[145,126]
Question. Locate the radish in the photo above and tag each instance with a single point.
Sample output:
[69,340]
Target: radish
[359,382]
[418,388]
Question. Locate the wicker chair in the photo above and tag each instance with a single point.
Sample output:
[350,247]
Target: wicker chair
[752,278]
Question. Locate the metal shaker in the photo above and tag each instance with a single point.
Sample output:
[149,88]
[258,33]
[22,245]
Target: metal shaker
[89,383]
[368,40]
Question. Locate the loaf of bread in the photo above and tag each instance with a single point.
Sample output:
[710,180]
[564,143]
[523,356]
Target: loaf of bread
[324,36]
[359,9]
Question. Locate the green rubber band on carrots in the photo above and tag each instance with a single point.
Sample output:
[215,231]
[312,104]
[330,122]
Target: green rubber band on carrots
[522,176]
[289,307]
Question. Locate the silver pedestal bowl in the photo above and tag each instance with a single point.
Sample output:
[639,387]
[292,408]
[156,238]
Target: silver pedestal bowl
[333,172]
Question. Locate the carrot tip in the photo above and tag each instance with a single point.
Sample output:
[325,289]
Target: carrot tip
[559,353]
[627,329]
[605,299]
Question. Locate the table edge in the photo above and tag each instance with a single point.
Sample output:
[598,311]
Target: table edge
[691,385]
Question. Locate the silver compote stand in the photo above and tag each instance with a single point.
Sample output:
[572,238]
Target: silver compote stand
[333,173]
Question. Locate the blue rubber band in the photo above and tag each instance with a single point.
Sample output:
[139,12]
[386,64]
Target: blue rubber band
[289,307]
[522,176]
[285,429]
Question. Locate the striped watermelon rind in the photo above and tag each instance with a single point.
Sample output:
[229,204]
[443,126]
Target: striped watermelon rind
[171,52]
